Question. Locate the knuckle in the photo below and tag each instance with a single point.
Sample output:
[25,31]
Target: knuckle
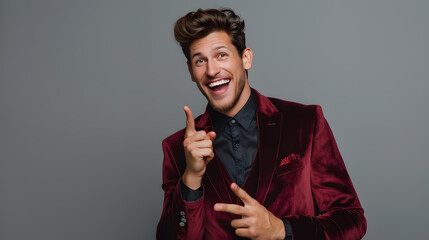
[252,221]
[188,146]
[194,152]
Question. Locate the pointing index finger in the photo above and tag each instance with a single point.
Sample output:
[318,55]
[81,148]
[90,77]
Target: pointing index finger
[190,122]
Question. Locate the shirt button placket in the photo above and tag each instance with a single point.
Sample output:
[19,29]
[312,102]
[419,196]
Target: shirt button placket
[235,133]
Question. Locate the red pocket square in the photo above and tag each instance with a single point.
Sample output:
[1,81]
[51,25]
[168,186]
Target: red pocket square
[289,159]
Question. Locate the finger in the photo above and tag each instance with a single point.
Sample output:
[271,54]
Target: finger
[201,144]
[230,208]
[243,232]
[202,135]
[246,198]
[212,135]
[193,139]
[190,122]
[239,223]
[209,158]
[199,136]
[202,153]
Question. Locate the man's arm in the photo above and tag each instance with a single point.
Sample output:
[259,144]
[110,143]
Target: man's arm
[175,209]
[198,147]
[182,219]
[341,215]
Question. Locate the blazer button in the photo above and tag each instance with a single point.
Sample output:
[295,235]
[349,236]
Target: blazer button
[183,220]
[182,213]
[182,224]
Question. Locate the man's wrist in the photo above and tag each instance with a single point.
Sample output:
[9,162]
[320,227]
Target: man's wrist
[191,181]
[279,229]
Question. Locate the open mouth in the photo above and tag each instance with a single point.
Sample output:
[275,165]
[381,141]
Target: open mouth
[219,86]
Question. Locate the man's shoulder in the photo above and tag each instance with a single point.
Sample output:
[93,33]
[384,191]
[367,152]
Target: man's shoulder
[294,108]
[270,105]
[174,138]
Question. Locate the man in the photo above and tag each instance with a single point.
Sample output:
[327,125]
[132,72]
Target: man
[250,166]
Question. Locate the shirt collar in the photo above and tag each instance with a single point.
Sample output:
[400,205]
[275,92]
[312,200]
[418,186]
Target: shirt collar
[244,117]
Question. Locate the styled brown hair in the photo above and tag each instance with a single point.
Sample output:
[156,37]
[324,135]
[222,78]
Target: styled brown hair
[196,25]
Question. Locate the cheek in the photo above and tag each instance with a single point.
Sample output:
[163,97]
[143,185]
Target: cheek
[197,75]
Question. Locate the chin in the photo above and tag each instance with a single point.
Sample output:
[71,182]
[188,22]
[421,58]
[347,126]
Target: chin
[223,107]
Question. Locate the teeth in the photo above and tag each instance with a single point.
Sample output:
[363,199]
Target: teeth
[218,83]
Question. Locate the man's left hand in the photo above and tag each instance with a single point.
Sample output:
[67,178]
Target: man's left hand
[256,221]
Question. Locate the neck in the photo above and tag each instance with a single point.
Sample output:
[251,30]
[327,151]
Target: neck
[245,94]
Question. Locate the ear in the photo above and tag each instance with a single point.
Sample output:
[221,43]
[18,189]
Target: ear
[247,58]
[190,71]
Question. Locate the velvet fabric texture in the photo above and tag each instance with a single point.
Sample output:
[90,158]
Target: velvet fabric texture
[298,174]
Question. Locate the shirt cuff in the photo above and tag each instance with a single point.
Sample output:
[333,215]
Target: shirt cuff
[288,228]
[190,195]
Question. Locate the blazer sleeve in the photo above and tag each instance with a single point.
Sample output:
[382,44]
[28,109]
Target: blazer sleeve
[340,213]
[179,219]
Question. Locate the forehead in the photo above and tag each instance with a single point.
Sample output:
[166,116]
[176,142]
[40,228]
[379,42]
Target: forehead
[211,42]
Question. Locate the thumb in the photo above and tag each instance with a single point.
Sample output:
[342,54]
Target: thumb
[190,122]
[212,135]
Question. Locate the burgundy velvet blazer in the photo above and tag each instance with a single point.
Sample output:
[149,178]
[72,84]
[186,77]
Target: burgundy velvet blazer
[298,174]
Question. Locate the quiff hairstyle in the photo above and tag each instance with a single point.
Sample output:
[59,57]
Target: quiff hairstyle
[199,24]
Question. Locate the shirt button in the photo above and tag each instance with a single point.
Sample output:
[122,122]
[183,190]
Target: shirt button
[182,224]
[233,120]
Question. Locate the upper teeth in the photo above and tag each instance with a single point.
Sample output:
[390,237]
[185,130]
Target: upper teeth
[217,83]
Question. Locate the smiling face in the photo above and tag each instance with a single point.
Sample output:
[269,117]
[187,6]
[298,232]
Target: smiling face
[220,72]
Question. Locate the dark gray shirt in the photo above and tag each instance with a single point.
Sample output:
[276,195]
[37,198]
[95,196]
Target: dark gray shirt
[236,140]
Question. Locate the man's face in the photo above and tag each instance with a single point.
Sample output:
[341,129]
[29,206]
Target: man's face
[220,72]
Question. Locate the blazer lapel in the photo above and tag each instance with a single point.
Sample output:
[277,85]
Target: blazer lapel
[269,133]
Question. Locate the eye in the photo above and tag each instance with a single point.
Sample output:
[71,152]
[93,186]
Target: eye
[222,55]
[199,61]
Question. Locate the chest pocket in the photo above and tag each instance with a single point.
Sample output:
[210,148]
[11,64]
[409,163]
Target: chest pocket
[289,167]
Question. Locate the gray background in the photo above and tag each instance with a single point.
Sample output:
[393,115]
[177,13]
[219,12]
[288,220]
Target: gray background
[90,88]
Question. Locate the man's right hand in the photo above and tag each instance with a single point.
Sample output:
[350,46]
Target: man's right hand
[198,148]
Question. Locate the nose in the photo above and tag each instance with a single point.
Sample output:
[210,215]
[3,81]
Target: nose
[212,68]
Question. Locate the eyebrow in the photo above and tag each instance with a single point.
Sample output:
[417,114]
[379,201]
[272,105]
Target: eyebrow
[215,49]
